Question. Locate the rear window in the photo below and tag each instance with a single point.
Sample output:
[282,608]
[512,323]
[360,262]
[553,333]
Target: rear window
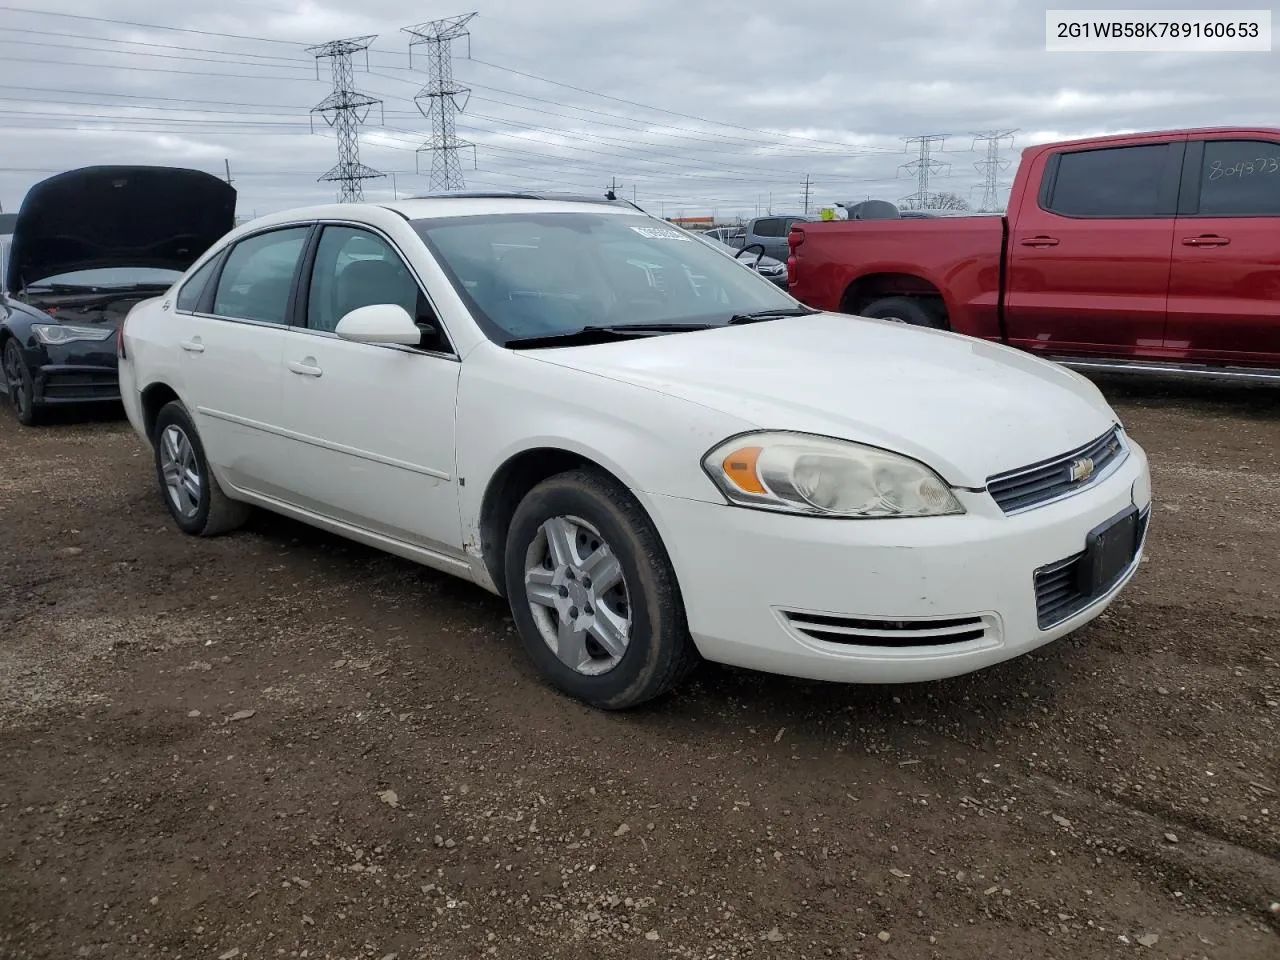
[1115,182]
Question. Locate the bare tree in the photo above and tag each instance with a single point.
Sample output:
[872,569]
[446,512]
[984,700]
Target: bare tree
[936,201]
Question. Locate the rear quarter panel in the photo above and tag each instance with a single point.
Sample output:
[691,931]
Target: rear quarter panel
[958,257]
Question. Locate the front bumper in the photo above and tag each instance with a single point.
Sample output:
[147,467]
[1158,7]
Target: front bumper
[756,584]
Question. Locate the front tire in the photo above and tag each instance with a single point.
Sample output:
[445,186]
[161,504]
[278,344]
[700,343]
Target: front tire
[593,594]
[19,385]
[190,490]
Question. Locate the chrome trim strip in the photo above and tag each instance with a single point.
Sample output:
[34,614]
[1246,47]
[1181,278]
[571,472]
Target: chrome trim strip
[325,444]
[1192,371]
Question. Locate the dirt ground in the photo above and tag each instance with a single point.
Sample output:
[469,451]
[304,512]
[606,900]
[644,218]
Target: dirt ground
[279,744]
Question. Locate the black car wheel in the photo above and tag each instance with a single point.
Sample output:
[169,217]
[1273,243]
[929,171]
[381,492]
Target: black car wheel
[593,594]
[190,490]
[19,385]
[903,310]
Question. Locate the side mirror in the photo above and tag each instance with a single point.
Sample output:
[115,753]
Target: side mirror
[380,323]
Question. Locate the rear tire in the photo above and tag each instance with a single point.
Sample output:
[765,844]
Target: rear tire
[189,489]
[616,642]
[904,310]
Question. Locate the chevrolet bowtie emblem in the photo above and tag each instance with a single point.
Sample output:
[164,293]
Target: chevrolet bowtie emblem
[1081,470]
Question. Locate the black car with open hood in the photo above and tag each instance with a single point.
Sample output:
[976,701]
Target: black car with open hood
[88,245]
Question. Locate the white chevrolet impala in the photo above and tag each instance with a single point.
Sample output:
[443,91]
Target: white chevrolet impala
[652,453]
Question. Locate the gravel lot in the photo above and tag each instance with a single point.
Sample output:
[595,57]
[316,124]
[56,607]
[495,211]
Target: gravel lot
[278,744]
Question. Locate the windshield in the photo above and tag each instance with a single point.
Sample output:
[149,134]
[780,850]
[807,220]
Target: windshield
[109,277]
[535,275]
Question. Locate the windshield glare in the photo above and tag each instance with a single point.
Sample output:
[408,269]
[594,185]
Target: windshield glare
[541,274]
[110,277]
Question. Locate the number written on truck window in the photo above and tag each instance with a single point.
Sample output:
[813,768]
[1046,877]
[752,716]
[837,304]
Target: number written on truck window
[1240,178]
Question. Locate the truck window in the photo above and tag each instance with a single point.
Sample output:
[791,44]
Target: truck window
[769,227]
[1112,182]
[1240,178]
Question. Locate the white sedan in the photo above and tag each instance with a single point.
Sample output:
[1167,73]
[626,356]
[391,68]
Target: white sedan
[655,455]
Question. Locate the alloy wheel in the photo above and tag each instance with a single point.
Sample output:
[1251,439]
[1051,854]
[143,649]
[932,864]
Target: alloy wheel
[578,596]
[181,471]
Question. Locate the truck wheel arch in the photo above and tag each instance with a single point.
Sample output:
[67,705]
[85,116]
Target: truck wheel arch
[873,287]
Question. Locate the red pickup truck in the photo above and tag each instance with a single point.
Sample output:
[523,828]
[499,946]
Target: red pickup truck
[1152,251]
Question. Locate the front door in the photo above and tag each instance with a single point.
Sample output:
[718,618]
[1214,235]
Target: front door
[371,425]
[1089,257]
[232,338]
[1224,291]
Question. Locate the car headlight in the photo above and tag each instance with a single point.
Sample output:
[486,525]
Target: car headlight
[55,333]
[821,476]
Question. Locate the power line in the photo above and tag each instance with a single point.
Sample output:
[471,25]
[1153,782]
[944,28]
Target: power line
[441,95]
[922,168]
[344,110]
[992,165]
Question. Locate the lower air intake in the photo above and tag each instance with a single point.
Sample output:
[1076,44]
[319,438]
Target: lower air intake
[862,632]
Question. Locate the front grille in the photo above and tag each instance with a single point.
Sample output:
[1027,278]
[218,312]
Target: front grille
[1050,479]
[82,386]
[1058,593]
[885,633]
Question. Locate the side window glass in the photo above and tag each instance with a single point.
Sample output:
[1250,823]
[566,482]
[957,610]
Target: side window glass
[1240,178]
[355,268]
[258,276]
[1113,182]
[191,292]
[768,228]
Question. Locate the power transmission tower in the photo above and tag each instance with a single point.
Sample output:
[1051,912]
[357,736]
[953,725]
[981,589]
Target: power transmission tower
[807,184]
[441,95]
[922,168]
[344,110]
[992,166]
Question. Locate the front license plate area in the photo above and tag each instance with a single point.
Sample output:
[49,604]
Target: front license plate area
[1109,549]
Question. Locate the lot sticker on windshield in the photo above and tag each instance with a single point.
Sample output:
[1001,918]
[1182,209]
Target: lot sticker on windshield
[660,233]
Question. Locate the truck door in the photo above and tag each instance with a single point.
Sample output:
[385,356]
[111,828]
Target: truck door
[1089,254]
[1224,290]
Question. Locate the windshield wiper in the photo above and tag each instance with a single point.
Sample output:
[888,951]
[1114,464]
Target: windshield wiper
[771,314]
[603,333]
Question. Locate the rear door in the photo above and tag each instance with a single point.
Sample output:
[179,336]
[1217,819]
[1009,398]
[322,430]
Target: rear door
[1089,257]
[1224,290]
[231,349]
[771,233]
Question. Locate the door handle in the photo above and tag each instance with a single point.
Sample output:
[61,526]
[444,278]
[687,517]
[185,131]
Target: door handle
[192,346]
[1206,240]
[306,368]
[1039,241]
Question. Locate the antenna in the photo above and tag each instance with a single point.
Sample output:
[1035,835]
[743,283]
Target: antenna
[441,95]
[344,110]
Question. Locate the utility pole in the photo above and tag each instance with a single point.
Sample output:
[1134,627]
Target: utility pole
[344,110]
[611,191]
[992,166]
[807,184]
[633,193]
[227,162]
[922,168]
[442,95]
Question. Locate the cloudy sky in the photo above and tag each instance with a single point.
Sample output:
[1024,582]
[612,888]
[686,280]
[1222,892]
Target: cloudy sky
[699,106]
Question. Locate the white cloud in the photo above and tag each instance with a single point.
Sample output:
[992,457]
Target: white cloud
[762,94]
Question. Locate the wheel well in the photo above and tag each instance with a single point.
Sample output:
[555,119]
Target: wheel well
[876,286]
[154,398]
[507,488]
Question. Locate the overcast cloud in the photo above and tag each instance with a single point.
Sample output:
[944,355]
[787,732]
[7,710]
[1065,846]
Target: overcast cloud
[759,94]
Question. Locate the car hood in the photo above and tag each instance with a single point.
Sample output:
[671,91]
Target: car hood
[966,407]
[117,216]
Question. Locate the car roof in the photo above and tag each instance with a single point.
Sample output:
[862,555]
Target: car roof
[444,205]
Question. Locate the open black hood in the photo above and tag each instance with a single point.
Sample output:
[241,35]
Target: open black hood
[117,216]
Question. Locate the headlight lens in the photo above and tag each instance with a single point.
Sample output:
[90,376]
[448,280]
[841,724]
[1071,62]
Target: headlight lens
[55,333]
[798,473]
